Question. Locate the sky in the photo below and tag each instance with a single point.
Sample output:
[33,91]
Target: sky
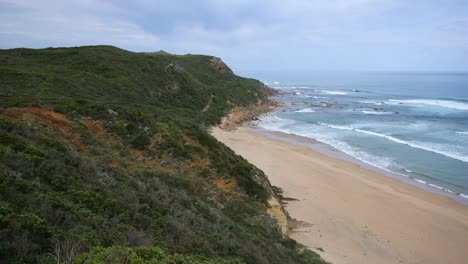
[256,35]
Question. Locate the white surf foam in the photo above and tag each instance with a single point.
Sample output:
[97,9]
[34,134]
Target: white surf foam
[427,147]
[334,92]
[418,145]
[292,127]
[273,122]
[372,102]
[279,119]
[306,110]
[462,132]
[376,113]
[436,186]
[379,162]
[420,181]
[299,87]
[440,103]
[337,126]
[382,163]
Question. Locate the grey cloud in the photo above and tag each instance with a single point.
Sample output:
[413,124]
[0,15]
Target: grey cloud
[273,34]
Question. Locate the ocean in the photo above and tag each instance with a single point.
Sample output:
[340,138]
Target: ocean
[412,124]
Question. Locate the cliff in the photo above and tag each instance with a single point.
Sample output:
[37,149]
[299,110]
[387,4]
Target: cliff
[105,155]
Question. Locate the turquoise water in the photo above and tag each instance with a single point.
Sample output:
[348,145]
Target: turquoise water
[415,125]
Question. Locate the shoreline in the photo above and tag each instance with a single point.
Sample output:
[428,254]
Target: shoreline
[353,213]
[332,152]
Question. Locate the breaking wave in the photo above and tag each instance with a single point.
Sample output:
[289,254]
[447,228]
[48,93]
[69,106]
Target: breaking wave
[439,103]
[428,147]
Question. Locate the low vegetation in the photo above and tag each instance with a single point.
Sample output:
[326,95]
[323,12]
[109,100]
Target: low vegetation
[105,158]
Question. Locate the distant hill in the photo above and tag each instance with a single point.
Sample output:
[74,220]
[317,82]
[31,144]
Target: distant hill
[105,158]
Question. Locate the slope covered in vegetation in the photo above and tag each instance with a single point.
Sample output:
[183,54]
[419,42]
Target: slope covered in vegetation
[105,157]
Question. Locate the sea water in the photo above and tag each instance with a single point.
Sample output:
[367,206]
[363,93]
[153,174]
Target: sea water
[413,124]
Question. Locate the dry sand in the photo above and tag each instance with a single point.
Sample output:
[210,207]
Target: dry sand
[354,214]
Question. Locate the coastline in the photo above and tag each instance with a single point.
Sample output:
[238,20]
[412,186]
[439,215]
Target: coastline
[355,214]
[332,152]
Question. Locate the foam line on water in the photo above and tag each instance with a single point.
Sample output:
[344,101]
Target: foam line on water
[380,163]
[334,92]
[429,102]
[372,102]
[436,186]
[450,154]
[275,123]
[305,110]
[375,113]
[337,126]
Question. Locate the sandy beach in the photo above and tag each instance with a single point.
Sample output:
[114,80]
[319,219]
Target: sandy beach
[353,214]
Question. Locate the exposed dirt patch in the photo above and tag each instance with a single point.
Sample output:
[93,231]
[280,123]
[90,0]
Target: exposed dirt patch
[239,115]
[226,185]
[156,140]
[137,153]
[48,118]
[142,160]
[229,188]
[200,163]
[275,209]
[155,164]
[208,104]
[131,166]
[97,128]
[114,163]
[215,199]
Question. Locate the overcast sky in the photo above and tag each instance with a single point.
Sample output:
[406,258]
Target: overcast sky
[399,35]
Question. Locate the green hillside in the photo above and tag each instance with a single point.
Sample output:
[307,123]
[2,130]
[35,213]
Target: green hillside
[105,158]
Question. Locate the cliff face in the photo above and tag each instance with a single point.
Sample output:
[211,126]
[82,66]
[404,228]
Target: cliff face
[104,151]
[219,65]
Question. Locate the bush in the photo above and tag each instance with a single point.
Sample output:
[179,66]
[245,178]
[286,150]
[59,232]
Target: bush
[141,255]
[141,141]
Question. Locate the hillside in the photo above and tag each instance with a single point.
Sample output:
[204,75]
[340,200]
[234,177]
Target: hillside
[105,158]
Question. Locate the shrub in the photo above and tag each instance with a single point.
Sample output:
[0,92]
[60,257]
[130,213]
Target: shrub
[141,141]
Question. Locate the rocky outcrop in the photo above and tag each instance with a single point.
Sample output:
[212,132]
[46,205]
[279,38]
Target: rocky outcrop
[219,65]
[238,115]
[174,68]
[276,210]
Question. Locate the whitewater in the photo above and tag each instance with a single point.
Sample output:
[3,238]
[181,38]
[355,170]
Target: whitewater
[415,126]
